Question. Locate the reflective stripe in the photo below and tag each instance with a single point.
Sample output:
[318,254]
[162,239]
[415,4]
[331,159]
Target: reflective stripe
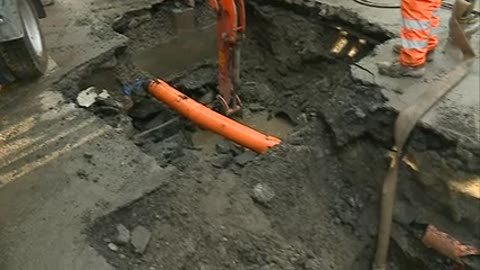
[436,12]
[414,44]
[416,25]
[434,31]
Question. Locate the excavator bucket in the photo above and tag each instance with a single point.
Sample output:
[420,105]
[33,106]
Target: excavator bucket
[230,32]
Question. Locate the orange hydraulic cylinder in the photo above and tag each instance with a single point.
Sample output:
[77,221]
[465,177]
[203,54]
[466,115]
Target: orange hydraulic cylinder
[210,119]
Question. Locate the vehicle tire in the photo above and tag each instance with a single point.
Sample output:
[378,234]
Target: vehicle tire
[6,76]
[26,57]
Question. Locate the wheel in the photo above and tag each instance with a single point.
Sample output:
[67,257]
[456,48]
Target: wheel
[26,57]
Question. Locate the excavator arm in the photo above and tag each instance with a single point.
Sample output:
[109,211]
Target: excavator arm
[230,32]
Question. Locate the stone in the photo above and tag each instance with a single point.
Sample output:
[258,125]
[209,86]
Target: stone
[223,147]
[87,97]
[302,118]
[263,194]
[88,155]
[337,221]
[256,107]
[82,174]
[112,247]
[236,149]
[245,158]
[123,234]
[352,202]
[140,238]
[359,113]
[222,161]
[146,109]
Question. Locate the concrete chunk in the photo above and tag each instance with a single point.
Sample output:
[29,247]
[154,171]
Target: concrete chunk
[87,97]
[140,238]
[123,234]
[245,158]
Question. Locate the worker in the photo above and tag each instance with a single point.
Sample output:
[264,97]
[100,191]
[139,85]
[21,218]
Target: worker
[419,36]
[419,39]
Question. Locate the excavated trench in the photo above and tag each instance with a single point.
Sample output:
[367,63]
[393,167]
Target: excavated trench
[310,203]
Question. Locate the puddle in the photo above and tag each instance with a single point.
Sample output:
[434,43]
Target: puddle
[189,46]
[260,121]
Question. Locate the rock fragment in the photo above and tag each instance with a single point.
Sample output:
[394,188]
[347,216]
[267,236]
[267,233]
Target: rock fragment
[245,158]
[222,161]
[263,194]
[112,247]
[123,234]
[256,107]
[87,97]
[223,147]
[140,238]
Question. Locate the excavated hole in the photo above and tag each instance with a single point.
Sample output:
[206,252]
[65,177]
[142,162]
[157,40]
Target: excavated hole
[325,178]
[162,46]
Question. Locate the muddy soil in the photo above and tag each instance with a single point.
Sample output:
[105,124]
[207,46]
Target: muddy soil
[312,202]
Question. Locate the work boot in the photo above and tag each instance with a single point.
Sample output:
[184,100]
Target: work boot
[397,48]
[396,70]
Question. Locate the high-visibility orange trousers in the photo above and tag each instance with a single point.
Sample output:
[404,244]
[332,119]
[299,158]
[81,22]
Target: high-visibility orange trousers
[419,30]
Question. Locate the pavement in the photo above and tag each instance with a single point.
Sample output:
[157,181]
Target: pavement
[457,116]
[61,167]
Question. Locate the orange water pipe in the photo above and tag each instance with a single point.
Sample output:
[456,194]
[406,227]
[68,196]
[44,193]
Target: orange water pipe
[210,119]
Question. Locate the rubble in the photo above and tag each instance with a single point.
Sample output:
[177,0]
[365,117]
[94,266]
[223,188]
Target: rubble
[245,158]
[223,147]
[263,194]
[222,161]
[146,109]
[140,238]
[89,96]
[112,247]
[123,234]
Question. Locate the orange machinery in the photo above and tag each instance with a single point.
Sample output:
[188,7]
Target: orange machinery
[230,32]
[231,29]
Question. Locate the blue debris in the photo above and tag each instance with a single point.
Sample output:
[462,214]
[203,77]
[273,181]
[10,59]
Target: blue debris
[128,89]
